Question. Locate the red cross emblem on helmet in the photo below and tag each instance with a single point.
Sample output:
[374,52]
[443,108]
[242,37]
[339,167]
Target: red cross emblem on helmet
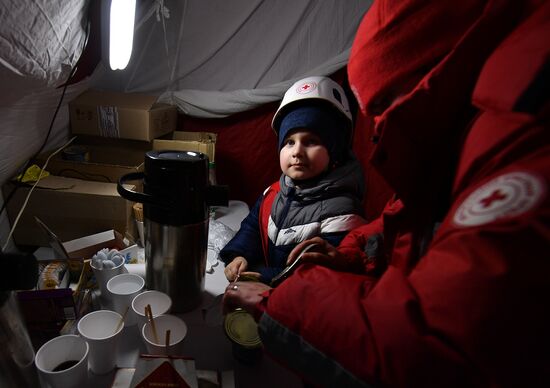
[307,87]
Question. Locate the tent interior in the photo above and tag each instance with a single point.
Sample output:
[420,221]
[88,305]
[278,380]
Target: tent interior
[224,65]
[461,115]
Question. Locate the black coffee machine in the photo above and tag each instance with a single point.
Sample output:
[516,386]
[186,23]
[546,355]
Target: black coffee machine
[176,201]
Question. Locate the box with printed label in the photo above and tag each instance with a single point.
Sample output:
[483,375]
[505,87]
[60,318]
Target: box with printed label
[121,115]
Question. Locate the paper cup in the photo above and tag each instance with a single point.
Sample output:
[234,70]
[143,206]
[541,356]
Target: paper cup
[102,276]
[160,303]
[101,330]
[123,288]
[63,362]
[178,331]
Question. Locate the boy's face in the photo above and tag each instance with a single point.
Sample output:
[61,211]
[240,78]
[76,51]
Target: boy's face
[303,156]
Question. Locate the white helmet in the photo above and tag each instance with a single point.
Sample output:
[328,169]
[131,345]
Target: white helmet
[322,88]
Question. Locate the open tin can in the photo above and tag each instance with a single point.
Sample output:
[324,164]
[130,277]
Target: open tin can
[242,330]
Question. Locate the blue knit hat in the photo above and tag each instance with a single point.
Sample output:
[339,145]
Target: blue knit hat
[324,121]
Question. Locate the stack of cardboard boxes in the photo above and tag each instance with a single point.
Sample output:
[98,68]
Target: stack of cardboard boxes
[113,131]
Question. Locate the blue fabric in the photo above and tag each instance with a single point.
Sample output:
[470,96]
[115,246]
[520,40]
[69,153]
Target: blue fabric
[326,122]
[247,243]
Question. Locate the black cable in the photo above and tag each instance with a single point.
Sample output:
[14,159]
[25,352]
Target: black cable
[71,74]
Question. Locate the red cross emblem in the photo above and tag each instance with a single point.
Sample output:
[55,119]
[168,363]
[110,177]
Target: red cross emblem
[494,196]
[505,196]
[307,87]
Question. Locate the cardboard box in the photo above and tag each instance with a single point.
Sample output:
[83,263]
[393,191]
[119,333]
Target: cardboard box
[107,159]
[83,247]
[121,115]
[71,207]
[204,142]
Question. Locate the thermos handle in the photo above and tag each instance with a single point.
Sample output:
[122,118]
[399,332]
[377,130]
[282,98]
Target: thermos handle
[134,196]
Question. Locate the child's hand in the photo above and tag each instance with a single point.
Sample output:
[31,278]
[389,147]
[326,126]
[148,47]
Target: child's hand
[238,265]
[250,276]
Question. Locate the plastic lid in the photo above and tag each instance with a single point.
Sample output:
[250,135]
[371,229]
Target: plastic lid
[241,328]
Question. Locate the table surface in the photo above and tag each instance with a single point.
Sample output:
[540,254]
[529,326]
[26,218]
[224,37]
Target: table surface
[206,341]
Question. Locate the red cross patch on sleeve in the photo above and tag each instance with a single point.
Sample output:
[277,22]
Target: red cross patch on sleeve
[505,196]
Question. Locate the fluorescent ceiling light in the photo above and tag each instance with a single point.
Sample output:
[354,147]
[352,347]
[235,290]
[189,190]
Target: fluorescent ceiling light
[121,32]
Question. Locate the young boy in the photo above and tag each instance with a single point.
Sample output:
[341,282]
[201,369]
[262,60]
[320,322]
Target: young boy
[320,190]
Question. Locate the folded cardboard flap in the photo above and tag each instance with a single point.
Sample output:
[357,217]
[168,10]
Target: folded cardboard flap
[71,207]
[203,137]
[204,142]
[85,247]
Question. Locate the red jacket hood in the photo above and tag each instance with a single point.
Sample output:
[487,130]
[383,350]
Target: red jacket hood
[416,151]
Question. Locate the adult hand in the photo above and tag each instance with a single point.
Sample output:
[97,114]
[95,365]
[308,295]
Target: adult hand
[245,295]
[322,253]
[238,265]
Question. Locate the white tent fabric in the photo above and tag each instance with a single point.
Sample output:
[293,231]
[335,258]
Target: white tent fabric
[204,103]
[211,58]
[40,41]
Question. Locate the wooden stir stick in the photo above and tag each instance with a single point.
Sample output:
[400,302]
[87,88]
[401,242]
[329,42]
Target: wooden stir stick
[121,320]
[167,338]
[149,315]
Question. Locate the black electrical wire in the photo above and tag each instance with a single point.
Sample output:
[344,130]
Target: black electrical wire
[71,74]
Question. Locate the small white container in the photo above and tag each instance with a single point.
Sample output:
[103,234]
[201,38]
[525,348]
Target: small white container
[160,303]
[63,361]
[123,288]
[102,276]
[101,330]
[178,331]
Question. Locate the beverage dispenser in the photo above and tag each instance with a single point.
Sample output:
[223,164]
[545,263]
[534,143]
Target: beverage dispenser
[176,198]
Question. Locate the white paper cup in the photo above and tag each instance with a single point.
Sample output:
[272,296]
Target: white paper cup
[63,362]
[123,288]
[178,331]
[160,303]
[101,330]
[102,276]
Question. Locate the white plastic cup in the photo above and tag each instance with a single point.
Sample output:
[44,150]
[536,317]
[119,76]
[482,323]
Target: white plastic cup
[123,288]
[101,330]
[160,303]
[102,276]
[178,331]
[63,362]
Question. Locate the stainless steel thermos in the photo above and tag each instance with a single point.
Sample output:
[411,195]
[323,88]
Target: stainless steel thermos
[176,199]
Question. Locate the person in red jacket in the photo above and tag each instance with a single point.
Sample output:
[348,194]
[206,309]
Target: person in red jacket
[449,286]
